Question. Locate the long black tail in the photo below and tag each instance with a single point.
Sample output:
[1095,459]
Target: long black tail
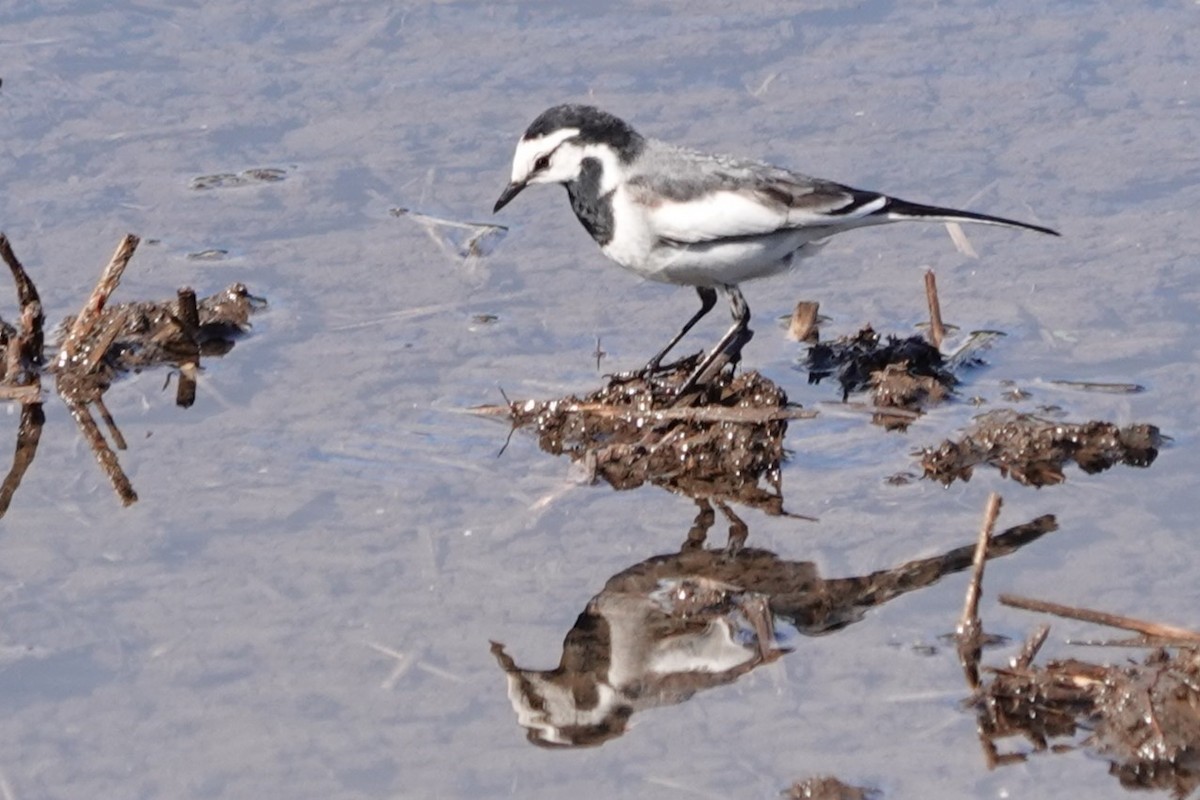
[895,209]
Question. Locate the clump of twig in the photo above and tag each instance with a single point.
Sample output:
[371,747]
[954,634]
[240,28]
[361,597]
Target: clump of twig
[827,787]
[1143,717]
[856,359]
[101,343]
[726,448]
[1033,450]
[908,374]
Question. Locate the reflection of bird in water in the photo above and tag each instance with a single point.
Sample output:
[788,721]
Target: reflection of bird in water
[675,624]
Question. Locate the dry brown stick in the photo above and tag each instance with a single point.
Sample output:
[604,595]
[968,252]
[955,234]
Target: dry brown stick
[970,628]
[101,342]
[970,614]
[109,279]
[750,416]
[1032,645]
[1100,618]
[804,326]
[937,330]
[27,346]
[189,318]
[22,394]
[104,454]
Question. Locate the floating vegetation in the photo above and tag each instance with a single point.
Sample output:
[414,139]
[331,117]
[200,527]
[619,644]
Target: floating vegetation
[232,180]
[1033,450]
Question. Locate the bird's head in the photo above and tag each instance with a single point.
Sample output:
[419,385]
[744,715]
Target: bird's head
[553,149]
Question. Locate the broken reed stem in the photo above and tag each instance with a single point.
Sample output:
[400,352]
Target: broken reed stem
[189,316]
[749,416]
[970,628]
[805,321]
[22,394]
[1101,618]
[102,341]
[26,347]
[1032,645]
[970,615]
[109,279]
[937,330]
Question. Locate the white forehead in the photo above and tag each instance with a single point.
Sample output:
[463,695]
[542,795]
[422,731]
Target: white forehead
[529,150]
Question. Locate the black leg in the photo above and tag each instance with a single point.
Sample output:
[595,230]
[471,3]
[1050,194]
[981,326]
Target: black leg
[731,343]
[708,299]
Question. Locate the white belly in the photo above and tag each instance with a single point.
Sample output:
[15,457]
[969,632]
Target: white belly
[713,263]
[727,261]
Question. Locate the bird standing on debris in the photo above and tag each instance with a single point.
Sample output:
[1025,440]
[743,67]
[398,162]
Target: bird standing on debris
[693,219]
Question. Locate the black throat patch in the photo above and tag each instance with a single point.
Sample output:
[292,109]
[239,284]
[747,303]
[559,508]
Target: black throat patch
[593,209]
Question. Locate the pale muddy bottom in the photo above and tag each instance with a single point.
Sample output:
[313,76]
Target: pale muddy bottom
[302,601]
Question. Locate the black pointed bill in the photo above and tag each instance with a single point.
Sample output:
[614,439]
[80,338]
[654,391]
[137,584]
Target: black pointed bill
[510,191]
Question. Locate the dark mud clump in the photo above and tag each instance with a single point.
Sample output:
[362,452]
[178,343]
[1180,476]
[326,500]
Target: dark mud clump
[856,359]
[902,373]
[1033,451]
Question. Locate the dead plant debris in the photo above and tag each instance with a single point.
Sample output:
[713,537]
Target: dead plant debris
[1142,717]
[827,787]
[230,180]
[100,344]
[728,444]
[1033,450]
[908,374]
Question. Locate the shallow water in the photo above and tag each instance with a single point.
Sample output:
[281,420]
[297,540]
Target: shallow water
[301,602]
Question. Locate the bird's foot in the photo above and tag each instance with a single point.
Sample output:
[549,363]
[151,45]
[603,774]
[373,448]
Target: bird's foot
[656,374]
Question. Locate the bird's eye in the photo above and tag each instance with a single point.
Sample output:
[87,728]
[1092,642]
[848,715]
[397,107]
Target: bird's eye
[543,162]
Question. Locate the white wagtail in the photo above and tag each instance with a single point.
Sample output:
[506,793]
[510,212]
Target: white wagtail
[678,216]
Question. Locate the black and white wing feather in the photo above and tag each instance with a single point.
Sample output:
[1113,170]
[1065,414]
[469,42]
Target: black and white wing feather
[691,198]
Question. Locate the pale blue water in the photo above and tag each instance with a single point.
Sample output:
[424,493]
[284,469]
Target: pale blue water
[327,496]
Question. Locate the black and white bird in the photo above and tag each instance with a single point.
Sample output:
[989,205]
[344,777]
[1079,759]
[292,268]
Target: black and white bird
[679,216]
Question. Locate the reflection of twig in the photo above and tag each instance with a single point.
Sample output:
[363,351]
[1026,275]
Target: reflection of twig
[28,435]
[90,315]
[969,626]
[189,319]
[104,454]
[1153,629]
[110,423]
